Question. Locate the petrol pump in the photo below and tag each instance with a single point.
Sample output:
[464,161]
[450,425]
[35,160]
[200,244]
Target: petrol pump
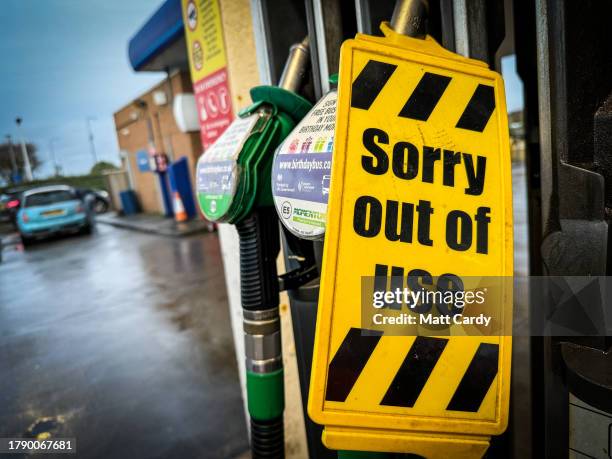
[301,180]
[233,186]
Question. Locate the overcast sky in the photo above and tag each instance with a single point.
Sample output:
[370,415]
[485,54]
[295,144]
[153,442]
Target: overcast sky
[64,61]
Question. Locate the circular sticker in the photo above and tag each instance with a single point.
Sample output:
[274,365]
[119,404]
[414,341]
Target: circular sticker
[192,15]
[218,172]
[198,55]
[301,171]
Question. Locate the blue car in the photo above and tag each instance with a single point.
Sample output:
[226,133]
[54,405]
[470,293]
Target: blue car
[50,210]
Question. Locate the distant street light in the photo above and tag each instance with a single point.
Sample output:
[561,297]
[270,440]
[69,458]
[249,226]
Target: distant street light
[56,166]
[92,145]
[24,152]
[12,155]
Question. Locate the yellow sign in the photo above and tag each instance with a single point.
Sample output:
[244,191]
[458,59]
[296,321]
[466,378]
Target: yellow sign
[421,186]
[203,30]
[208,64]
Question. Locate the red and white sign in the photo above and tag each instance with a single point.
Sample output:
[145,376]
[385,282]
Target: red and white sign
[214,106]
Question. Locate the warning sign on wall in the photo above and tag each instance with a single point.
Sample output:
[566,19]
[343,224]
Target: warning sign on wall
[421,191]
[203,30]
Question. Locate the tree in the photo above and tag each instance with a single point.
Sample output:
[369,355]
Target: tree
[6,163]
[101,167]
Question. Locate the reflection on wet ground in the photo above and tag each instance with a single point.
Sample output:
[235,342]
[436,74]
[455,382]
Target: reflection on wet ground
[123,341]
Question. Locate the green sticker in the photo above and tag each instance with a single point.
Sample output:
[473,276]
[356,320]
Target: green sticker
[217,171]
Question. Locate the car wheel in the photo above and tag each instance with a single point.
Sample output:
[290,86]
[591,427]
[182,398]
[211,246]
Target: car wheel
[100,206]
[87,229]
[26,241]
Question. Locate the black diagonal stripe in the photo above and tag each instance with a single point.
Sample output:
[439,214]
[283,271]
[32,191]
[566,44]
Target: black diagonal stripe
[349,361]
[477,379]
[414,372]
[479,109]
[425,96]
[370,82]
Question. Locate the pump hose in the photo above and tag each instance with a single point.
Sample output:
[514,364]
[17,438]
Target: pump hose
[259,248]
[267,438]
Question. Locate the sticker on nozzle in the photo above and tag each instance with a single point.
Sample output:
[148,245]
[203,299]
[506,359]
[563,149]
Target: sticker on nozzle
[301,171]
[217,170]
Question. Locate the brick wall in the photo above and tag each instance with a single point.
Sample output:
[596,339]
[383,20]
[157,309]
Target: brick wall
[131,124]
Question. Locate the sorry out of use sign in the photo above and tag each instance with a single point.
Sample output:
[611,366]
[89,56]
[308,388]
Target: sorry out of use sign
[421,193]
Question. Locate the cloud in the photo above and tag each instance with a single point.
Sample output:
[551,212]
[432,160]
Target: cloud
[68,61]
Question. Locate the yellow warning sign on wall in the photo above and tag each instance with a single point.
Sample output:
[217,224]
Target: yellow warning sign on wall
[421,186]
[208,64]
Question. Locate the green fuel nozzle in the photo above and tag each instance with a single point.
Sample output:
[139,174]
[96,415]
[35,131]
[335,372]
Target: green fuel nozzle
[233,175]
[233,186]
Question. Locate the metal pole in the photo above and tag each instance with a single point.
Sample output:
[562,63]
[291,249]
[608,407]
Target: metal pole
[166,141]
[27,168]
[410,18]
[53,158]
[144,107]
[471,33]
[295,67]
[92,145]
[12,155]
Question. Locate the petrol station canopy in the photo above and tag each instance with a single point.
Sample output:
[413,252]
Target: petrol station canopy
[159,45]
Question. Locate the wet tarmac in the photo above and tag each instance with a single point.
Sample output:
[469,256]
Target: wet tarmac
[123,341]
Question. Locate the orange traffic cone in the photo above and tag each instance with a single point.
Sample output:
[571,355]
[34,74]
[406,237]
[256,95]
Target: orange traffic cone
[179,210]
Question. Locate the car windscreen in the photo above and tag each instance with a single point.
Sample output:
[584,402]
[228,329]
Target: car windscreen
[48,197]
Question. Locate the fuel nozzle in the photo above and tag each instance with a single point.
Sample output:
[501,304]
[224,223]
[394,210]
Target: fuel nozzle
[285,96]
[295,67]
[234,173]
[234,186]
[410,18]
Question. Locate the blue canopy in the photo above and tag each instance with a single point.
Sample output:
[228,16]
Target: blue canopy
[160,42]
